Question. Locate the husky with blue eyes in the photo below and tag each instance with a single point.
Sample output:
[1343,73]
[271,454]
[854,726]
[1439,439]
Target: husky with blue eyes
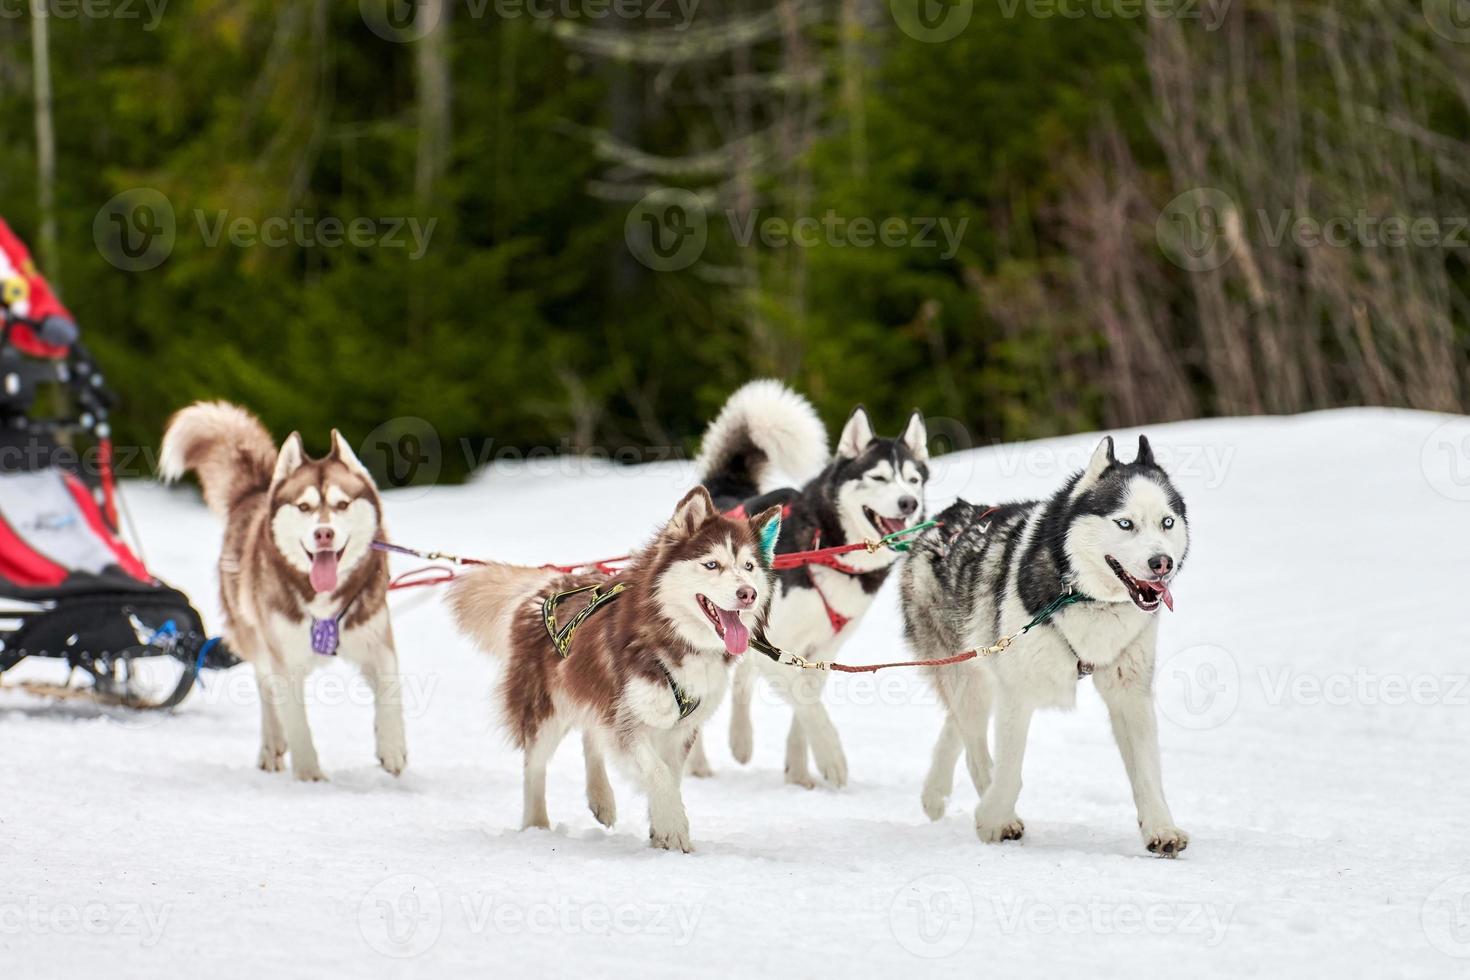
[637,661]
[871,487]
[1111,541]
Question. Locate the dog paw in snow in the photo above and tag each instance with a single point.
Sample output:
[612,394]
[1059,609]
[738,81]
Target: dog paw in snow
[934,803]
[675,839]
[394,760]
[1166,841]
[604,812]
[834,771]
[994,831]
[801,778]
[309,773]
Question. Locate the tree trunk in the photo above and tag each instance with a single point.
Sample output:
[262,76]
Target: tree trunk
[431,62]
[45,142]
[431,76]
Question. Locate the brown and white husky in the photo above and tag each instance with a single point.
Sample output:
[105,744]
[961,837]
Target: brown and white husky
[299,579]
[643,670]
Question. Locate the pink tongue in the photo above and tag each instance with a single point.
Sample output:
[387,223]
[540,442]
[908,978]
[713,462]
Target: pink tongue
[737,637]
[324,571]
[1165,596]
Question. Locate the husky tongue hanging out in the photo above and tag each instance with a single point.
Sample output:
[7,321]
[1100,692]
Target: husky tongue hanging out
[1115,533]
[637,661]
[299,580]
[871,488]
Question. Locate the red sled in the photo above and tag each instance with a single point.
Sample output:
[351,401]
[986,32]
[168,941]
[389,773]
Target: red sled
[70,588]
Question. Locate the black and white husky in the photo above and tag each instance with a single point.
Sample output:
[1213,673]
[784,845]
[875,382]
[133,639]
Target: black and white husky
[1115,533]
[872,487]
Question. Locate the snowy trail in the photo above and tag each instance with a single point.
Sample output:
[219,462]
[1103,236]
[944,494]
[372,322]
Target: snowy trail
[1315,716]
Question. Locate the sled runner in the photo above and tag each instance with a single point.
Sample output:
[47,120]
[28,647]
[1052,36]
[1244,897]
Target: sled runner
[70,589]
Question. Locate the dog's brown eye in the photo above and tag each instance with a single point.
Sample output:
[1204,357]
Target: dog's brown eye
[304,508]
[341,505]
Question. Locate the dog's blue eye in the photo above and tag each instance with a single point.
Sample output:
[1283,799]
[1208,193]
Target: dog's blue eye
[1125,524]
[750,566]
[712,565]
[1168,523]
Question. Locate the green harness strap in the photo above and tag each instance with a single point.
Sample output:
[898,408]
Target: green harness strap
[894,540]
[561,636]
[1056,606]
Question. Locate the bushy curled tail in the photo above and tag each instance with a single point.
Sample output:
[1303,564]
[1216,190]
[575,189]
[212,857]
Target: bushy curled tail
[764,426]
[226,446]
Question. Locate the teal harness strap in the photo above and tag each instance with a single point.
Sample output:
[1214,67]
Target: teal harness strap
[561,636]
[1052,608]
[1055,606]
[895,541]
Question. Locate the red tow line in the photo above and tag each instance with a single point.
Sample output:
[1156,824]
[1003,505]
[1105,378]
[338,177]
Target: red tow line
[610,566]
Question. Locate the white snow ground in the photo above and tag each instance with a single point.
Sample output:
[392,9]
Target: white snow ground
[1315,718]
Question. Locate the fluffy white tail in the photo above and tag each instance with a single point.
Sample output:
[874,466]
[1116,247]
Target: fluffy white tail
[227,447]
[764,425]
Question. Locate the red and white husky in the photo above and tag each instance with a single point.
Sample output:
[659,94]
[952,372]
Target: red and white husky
[643,670]
[298,578]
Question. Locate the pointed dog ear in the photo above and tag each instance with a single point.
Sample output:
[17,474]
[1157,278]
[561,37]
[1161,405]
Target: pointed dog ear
[1102,459]
[856,434]
[693,511]
[290,458]
[767,527]
[342,452]
[916,437]
[1145,453]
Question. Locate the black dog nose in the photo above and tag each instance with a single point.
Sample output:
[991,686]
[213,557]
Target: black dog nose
[908,504]
[1160,564]
[323,537]
[746,595]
